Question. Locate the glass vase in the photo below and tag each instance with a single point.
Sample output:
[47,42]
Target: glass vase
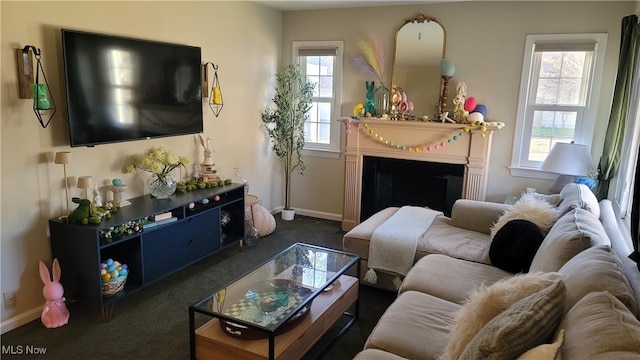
[382,100]
[162,186]
[240,180]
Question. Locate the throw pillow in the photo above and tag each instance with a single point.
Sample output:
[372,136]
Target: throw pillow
[545,351]
[572,233]
[531,208]
[526,324]
[599,326]
[597,269]
[514,246]
[485,303]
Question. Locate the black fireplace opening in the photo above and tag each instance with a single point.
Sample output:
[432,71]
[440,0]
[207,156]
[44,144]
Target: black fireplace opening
[397,182]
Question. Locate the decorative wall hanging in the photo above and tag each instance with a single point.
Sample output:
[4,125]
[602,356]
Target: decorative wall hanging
[215,97]
[35,87]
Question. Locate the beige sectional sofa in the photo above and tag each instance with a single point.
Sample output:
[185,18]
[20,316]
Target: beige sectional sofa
[581,292]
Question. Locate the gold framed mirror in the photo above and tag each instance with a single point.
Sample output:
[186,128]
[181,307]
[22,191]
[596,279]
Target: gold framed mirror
[420,45]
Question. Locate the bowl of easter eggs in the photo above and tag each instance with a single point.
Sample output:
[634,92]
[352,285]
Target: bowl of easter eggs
[114,276]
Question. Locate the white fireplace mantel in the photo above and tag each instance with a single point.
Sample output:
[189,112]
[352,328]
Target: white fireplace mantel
[464,144]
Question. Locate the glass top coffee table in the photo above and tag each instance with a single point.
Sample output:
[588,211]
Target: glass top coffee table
[290,300]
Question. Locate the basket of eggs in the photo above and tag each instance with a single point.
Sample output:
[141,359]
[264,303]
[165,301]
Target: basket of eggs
[114,276]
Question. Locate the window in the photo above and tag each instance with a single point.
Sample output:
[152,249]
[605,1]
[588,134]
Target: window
[321,61]
[558,96]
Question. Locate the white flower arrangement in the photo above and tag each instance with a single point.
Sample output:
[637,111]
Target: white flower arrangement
[157,161]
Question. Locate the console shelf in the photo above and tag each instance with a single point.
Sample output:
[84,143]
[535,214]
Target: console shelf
[150,253]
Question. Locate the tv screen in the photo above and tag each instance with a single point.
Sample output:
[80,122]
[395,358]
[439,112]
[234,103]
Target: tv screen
[122,89]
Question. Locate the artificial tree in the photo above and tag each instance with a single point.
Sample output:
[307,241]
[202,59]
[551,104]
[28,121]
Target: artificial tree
[284,121]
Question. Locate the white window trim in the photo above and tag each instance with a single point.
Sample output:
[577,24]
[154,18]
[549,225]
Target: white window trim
[584,131]
[331,150]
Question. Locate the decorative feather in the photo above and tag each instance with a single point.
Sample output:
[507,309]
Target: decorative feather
[371,60]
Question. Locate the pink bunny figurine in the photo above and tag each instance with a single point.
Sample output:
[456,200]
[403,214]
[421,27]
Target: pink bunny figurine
[54,313]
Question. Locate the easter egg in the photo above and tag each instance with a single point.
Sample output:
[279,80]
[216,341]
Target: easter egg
[114,274]
[116,263]
[119,268]
[191,205]
[111,268]
[216,198]
[475,116]
[109,262]
[116,182]
[106,277]
[124,266]
[103,266]
[103,271]
[481,109]
[447,68]
[470,104]
[123,272]
[205,201]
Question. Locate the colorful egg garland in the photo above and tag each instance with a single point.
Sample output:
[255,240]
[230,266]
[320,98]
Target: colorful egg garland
[425,147]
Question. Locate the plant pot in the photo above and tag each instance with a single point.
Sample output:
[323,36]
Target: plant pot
[288,215]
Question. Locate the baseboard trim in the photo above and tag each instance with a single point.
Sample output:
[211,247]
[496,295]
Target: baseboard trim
[20,319]
[311,213]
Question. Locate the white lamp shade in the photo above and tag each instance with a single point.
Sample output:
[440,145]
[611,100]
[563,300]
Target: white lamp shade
[63,157]
[568,159]
[85,182]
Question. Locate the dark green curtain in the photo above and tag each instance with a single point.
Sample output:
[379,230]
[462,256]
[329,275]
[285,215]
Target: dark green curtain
[635,215]
[611,154]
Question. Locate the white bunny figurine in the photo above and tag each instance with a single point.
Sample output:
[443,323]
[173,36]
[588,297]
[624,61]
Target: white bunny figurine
[54,312]
[208,152]
[459,113]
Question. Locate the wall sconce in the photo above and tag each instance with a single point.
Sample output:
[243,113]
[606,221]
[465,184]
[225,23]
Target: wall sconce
[35,87]
[64,158]
[215,97]
[447,69]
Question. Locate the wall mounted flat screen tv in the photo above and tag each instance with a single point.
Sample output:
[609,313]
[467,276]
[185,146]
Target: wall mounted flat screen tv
[122,89]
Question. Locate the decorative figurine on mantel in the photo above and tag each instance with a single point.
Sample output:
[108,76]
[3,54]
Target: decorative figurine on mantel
[207,168]
[117,189]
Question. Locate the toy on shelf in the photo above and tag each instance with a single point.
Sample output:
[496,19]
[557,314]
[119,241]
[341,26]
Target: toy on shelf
[207,173]
[459,112]
[54,312]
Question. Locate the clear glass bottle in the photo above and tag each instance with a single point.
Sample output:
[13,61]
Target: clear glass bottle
[251,234]
[240,180]
[382,100]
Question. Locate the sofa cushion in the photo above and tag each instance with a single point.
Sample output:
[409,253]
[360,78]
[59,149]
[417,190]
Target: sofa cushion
[413,313]
[514,245]
[597,269]
[427,274]
[523,326]
[599,326]
[578,196]
[530,208]
[545,351]
[375,354]
[572,233]
[485,303]
[442,238]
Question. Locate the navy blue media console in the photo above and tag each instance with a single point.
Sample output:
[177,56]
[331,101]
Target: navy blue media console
[152,253]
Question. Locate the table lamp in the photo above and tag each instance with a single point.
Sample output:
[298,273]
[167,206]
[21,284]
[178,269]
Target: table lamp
[570,161]
[64,158]
[85,182]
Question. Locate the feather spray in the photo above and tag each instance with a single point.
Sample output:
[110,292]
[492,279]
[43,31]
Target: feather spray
[371,59]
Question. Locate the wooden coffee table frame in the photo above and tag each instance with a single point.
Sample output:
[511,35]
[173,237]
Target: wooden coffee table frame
[209,341]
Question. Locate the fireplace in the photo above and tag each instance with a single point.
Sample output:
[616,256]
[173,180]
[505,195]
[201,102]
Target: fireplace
[460,148]
[396,182]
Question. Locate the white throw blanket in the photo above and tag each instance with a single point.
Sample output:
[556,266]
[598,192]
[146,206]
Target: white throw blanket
[393,244]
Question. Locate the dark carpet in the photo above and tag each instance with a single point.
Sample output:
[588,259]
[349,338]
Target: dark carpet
[154,323]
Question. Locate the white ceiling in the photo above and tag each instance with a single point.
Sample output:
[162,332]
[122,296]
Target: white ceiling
[290,5]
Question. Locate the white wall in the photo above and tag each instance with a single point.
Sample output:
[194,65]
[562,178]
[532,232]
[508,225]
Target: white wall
[485,40]
[242,38]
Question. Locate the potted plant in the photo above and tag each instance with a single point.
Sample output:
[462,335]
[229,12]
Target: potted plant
[284,122]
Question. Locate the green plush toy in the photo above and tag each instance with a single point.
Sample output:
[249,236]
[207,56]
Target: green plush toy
[82,213]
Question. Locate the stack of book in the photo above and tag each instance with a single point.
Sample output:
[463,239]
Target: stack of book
[159,219]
